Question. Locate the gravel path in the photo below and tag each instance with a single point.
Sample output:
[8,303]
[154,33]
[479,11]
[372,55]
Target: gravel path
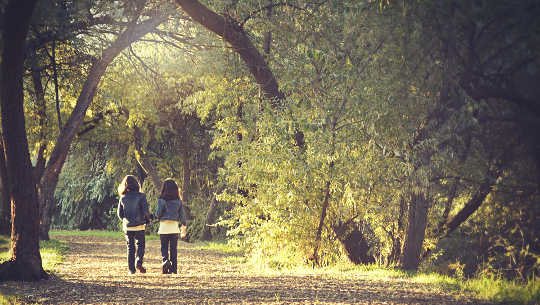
[95,272]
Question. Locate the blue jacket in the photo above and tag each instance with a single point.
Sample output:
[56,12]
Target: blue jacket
[171,210]
[134,207]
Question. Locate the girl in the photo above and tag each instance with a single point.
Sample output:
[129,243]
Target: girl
[170,212]
[133,211]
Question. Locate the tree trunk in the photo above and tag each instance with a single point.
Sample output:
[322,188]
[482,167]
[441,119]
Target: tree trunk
[416,230]
[67,134]
[472,205]
[5,202]
[318,236]
[25,263]
[396,238]
[42,115]
[210,217]
[239,41]
[48,205]
[143,159]
[186,181]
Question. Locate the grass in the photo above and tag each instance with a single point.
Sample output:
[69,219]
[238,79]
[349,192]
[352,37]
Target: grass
[507,292]
[52,252]
[100,233]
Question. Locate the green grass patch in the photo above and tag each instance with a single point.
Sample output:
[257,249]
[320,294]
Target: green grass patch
[113,234]
[503,291]
[52,252]
[88,233]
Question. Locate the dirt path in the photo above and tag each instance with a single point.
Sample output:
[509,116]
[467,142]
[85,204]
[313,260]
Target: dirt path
[95,272]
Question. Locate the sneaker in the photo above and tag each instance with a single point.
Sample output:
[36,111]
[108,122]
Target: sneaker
[141,269]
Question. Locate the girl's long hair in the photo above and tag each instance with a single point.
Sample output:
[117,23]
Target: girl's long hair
[170,190]
[130,183]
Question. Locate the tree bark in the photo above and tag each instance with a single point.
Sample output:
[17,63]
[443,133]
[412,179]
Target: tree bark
[25,263]
[416,230]
[469,208]
[144,161]
[186,181]
[67,134]
[55,78]
[318,236]
[396,237]
[42,115]
[5,203]
[210,217]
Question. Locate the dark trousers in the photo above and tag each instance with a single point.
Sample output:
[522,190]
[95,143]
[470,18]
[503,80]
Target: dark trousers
[169,253]
[135,238]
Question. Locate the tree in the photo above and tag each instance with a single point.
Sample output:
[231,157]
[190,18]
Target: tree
[25,263]
[133,31]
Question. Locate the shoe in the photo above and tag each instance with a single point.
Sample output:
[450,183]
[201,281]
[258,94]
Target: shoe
[131,272]
[166,268]
[141,269]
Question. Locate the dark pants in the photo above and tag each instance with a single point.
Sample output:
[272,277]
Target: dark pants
[135,238]
[169,253]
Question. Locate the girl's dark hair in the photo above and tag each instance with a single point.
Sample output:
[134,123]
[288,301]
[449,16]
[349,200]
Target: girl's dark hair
[130,183]
[170,190]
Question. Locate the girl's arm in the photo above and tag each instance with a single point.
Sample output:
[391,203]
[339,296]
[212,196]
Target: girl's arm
[181,213]
[120,209]
[145,209]
[160,210]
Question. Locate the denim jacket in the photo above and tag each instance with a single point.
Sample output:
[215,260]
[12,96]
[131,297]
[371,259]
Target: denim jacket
[134,207]
[171,210]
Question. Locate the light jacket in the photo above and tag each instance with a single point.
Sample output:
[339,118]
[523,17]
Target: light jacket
[134,207]
[171,210]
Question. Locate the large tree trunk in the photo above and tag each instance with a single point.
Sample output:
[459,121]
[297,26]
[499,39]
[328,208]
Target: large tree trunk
[67,134]
[25,263]
[416,230]
[5,201]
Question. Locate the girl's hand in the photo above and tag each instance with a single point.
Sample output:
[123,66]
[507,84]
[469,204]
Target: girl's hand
[183,231]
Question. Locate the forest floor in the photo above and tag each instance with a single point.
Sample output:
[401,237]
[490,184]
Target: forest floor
[95,272]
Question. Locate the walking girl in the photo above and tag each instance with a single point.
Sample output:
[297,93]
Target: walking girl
[133,211]
[170,213]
